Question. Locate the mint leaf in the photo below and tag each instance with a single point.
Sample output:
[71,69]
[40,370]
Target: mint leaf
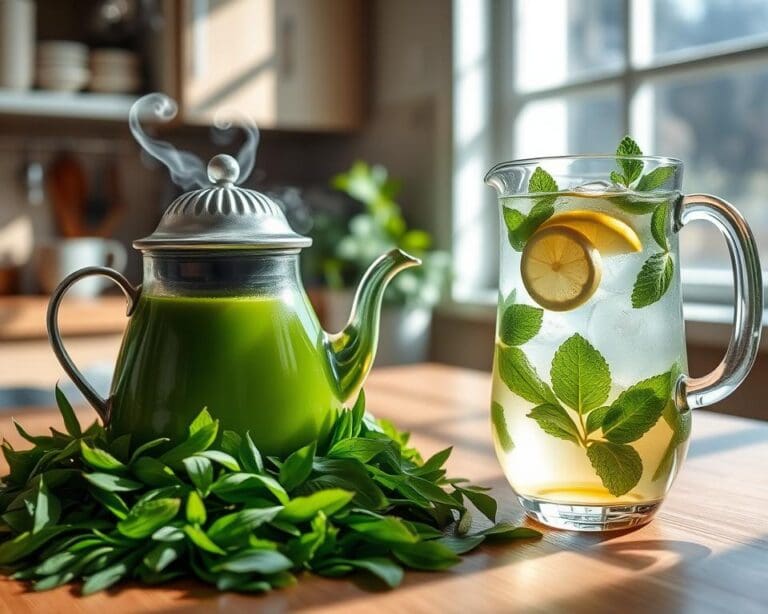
[555,421]
[659,226]
[617,178]
[520,324]
[635,204]
[520,227]
[595,419]
[655,179]
[521,377]
[680,423]
[631,168]
[580,375]
[500,427]
[618,466]
[653,280]
[637,409]
[541,181]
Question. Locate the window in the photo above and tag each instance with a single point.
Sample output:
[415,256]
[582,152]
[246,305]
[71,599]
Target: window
[687,78]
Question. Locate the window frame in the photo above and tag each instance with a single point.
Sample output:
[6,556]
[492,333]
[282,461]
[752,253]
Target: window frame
[506,103]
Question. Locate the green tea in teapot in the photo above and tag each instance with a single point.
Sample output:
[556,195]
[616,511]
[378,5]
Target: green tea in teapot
[229,354]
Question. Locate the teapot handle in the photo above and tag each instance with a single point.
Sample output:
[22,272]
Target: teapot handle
[742,350]
[131,294]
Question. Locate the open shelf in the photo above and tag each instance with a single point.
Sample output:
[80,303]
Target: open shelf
[76,105]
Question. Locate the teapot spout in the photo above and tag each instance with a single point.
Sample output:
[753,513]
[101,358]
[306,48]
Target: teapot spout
[353,349]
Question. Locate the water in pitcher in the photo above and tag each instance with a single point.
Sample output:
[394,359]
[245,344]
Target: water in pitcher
[582,412]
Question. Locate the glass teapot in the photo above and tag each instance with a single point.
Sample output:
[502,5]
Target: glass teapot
[222,321]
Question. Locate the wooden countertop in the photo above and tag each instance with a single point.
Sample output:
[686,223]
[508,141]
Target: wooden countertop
[706,551]
[23,317]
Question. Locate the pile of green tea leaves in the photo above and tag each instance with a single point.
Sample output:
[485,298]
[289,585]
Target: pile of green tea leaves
[86,506]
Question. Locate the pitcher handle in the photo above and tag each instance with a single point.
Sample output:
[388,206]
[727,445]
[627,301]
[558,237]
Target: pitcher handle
[742,349]
[52,319]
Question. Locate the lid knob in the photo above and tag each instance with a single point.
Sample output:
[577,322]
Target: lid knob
[223,169]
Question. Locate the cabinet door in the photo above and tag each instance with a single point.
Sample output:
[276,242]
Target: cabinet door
[288,64]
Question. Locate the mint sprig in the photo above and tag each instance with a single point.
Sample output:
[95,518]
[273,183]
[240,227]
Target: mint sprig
[573,409]
[84,506]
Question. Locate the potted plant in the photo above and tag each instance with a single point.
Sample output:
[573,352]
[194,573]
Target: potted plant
[376,228]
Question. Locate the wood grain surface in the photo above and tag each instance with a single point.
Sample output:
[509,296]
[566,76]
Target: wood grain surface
[706,551]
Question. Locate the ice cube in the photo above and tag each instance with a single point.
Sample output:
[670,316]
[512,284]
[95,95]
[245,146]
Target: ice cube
[599,187]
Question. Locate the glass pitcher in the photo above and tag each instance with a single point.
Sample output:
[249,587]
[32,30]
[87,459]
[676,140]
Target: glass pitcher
[591,397]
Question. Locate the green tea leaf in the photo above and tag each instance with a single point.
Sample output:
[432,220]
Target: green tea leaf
[521,377]
[347,474]
[519,324]
[555,421]
[119,447]
[484,503]
[47,508]
[254,561]
[429,556]
[595,418]
[200,471]
[383,568]
[109,576]
[112,483]
[636,409]
[507,530]
[100,459]
[297,467]
[461,544]
[197,442]
[541,181]
[655,179]
[250,456]
[145,518]
[659,226]
[361,448]
[328,501]
[110,501]
[231,442]
[71,422]
[195,510]
[500,427]
[198,537]
[25,544]
[653,281]
[240,487]
[153,472]
[631,168]
[40,441]
[222,458]
[162,555]
[618,466]
[384,530]
[203,419]
[235,527]
[146,447]
[580,375]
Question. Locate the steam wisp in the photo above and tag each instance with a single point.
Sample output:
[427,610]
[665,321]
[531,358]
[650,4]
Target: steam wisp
[187,169]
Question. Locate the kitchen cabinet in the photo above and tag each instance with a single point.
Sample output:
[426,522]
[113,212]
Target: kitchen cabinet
[287,64]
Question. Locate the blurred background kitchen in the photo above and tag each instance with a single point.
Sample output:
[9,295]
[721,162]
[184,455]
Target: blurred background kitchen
[378,120]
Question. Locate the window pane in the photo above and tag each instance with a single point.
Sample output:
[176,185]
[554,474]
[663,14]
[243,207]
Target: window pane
[715,122]
[666,27]
[557,41]
[583,123]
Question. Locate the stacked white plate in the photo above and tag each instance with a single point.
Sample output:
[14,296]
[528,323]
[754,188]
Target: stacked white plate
[114,71]
[62,66]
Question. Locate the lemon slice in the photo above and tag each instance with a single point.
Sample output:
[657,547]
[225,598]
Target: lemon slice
[608,234]
[561,268]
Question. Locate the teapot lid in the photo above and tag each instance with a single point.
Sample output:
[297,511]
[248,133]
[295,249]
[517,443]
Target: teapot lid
[223,216]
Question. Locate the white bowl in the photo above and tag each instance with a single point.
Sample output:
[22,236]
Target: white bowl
[62,51]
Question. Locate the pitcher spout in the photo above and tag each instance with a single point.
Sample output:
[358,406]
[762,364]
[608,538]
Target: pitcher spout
[353,349]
